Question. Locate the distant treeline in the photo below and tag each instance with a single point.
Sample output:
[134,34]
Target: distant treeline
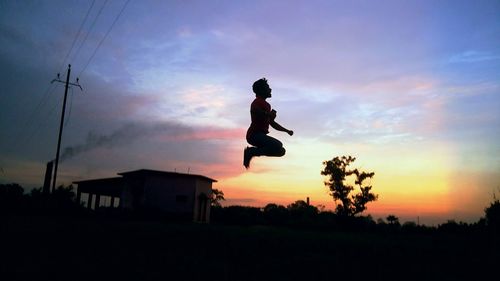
[13,200]
[299,214]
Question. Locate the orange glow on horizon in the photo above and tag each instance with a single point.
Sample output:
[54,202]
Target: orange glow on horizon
[411,180]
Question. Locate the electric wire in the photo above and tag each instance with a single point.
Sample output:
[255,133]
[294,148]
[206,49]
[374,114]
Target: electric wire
[42,124]
[50,89]
[76,37]
[89,31]
[40,104]
[27,125]
[102,40]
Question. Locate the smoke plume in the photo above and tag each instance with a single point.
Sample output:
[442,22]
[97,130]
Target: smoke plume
[127,133]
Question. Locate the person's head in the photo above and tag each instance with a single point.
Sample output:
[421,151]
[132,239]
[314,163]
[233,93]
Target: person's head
[261,88]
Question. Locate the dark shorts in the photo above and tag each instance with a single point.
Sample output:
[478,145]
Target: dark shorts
[266,145]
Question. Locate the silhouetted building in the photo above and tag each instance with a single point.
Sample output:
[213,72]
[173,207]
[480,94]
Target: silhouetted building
[184,195]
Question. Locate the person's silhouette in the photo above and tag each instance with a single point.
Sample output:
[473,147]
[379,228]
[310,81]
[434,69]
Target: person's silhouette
[262,116]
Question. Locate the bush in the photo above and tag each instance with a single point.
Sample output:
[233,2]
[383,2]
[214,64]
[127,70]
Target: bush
[493,214]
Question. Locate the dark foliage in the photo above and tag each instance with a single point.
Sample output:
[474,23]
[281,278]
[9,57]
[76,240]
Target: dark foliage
[151,250]
[492,214]
[11,198]
[393,220]
[60,202]
[302,213]
[338,172]
[451,226]
[299,214]
[216,197]
[275,214]
[238,215]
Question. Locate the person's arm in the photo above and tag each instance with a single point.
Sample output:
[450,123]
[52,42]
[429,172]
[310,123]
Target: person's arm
[278,127]
[261,113]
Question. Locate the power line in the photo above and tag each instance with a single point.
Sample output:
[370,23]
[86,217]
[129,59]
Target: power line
[41,125]
[49,90]
[76,37]
[67,83]
[27,125]
[102,40]
[90,30]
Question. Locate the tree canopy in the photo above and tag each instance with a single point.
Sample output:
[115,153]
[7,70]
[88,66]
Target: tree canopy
[338,173]
[216,197]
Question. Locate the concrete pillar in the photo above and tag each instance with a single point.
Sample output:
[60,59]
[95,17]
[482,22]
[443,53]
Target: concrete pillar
[78,196]
[112,201]
[89,201]
[97,201]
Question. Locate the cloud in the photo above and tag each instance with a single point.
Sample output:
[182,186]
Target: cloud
[215,151]
[242,202]
[160,131]
[472,57]
[208,133]
[171,90]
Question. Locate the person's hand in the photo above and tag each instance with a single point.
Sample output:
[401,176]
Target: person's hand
[273,114]
[290,132]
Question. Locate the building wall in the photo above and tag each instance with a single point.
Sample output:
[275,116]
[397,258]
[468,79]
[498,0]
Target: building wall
[186,195]
[203,193]
[132,195]
[126,197]
[175,195]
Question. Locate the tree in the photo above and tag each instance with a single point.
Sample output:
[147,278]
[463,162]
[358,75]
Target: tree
[492,214]
[338,172]
[64,193]
[273,207]
[275,214]
[409,226]
[302,214]
[11,191]
[392,219]
[301,208]
[11,197]
[217,197]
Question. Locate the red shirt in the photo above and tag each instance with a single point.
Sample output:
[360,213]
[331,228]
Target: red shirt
[259,123]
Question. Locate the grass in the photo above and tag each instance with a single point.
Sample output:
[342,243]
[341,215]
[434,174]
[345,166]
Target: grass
[42,248]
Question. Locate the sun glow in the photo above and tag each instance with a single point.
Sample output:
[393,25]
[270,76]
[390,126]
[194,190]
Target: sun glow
[410,179]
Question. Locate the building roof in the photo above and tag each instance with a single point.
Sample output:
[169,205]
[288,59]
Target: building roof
[105,180]
[145,172]
[106,186]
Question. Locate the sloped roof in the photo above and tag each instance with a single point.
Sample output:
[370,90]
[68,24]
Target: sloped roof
[146,172]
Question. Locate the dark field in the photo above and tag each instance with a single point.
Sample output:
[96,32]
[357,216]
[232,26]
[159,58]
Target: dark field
[44,248]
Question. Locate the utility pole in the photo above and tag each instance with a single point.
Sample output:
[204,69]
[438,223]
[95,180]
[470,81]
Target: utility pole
[67,83]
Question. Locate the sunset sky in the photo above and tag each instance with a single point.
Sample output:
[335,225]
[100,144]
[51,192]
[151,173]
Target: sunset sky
[409,88]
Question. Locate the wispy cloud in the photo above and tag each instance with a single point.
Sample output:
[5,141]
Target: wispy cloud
[171,87]
[472,57]
[161,131]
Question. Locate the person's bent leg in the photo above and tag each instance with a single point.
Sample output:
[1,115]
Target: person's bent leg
[266,146]
[274,148]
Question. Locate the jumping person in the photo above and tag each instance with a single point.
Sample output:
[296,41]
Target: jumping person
[262,116]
